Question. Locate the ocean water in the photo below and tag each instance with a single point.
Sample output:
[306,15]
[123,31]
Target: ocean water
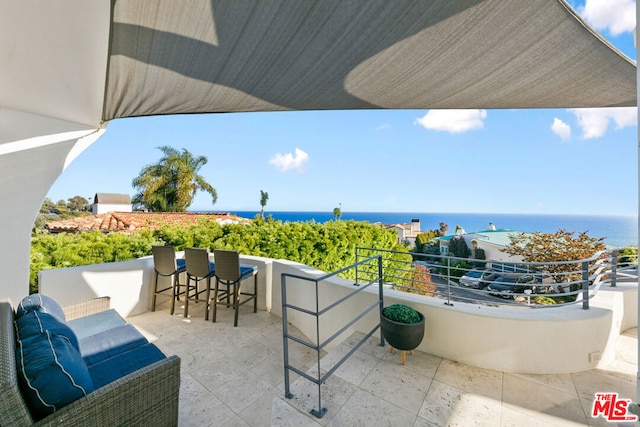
[617,230]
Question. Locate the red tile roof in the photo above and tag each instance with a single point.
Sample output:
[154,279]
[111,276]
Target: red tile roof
[133,221]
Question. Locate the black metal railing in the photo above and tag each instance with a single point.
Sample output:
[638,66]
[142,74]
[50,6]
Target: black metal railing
[375,262]
[546,284]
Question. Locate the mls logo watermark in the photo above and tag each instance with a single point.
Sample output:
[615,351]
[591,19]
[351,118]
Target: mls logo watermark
[612,408]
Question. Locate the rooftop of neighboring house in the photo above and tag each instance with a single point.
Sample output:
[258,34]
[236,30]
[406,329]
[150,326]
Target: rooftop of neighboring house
[133,221]
[497,237]
[112,198]
[408,230]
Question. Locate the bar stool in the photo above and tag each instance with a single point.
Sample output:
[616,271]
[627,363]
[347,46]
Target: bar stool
[198,269]
[229,273]
[166,265]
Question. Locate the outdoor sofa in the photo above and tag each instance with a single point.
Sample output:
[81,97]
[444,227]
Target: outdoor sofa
[114,378]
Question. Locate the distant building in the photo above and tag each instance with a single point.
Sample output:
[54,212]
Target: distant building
[492,241]
[406,232]
[109,202]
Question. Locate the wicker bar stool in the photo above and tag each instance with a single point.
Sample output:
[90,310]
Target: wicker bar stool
[229,273]
[165,264]
[199,268]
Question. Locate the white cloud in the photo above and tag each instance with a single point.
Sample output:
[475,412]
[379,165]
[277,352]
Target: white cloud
[383,126]
[617,16]
[288,161]
[561,129]
[595,121]
[454,121]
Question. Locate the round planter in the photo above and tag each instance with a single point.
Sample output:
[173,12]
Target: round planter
[402,336]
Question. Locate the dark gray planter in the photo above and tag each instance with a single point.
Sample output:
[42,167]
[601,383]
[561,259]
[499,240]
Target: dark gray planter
[402,336]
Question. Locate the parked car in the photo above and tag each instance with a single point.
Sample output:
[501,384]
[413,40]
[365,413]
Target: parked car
[488,279]
[506,285]
[475,278]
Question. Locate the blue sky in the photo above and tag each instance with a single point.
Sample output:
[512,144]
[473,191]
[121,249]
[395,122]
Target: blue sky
[476,161]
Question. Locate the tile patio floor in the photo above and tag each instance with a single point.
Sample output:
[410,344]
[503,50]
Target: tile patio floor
[234,377]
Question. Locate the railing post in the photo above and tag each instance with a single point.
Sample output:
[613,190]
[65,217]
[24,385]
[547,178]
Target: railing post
[357,265]
[448,282]
[585,285]
[285,336]
[614,268]
[380,296]
[319,413]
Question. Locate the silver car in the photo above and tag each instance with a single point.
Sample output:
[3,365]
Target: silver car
[474,278]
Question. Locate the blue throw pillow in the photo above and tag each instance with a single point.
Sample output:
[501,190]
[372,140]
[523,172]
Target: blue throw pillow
[35,322]
[41,303]
[51,373]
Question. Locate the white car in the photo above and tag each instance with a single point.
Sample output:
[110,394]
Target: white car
[473,278]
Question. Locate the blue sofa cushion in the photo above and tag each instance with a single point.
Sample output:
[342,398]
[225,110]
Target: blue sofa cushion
[111,369]
[101,346]
[96,323]
[51,373]
[36,322]
[247,270]
[40,303]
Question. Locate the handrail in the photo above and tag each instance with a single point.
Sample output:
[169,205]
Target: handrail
[570,282]
[317,313]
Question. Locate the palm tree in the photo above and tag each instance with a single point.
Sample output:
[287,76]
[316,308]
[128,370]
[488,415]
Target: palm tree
[264,196]
[337,212]
[171,184]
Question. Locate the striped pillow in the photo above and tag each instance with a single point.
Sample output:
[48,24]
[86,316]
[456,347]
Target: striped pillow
[51,372]
[36,322]
[41,303]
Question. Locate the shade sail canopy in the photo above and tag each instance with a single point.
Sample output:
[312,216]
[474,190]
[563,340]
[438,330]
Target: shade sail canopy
[89,62]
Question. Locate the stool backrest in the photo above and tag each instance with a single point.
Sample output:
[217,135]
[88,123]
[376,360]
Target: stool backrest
[197,260]
[164,260]
[227,264]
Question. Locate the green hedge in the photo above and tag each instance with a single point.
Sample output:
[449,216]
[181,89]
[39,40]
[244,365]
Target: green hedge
[326,246]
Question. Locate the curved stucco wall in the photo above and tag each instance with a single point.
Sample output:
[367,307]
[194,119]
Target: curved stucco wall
[538,341]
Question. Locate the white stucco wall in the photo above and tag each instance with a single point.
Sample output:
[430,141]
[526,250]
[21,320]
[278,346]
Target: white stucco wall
[128,283]
[538,341]
[100,208]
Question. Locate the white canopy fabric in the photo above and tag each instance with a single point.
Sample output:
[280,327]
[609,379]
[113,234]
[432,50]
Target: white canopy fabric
[90,62]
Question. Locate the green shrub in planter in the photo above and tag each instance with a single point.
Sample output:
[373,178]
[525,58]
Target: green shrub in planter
[401,313]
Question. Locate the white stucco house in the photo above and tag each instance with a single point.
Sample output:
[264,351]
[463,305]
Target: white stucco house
[109,202]
[406,232]
[492,241]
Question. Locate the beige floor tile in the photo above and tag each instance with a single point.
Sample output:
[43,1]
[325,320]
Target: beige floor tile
[218,373]
[285,415]
[370,346]
[470,379]
[627,346]
[513,418]
[236,422]
[234,376]
[355,369]
[365,410]
[445,405]
[418,362]
[258,414]
[540,401]
[242,391]
[398,385]
[335,393]
[588,383]
[198,407]
[562,382]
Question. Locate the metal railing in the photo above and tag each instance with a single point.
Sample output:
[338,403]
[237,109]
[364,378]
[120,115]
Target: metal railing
[547,284]
[375,262]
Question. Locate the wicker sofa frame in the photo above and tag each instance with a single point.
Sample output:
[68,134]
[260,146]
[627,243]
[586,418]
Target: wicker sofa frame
[148,396]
